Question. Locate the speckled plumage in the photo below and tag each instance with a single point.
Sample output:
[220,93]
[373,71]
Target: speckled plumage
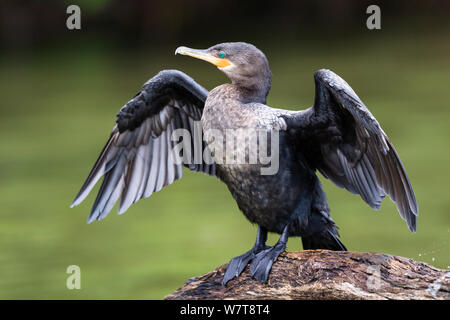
[270,201]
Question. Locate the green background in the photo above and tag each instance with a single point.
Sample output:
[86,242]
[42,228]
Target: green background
[58,105]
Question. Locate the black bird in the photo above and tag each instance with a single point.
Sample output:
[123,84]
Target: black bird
[337,136]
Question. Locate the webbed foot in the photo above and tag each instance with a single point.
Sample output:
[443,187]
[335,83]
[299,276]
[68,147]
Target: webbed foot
[262,263]
[238,264]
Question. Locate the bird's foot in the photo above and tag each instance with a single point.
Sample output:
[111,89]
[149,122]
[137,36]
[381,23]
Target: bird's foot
[262,263]
[238,264]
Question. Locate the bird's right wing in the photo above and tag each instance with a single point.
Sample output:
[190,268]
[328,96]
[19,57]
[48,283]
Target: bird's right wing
[137,159]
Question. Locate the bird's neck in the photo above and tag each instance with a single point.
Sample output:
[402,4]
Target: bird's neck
[251,90]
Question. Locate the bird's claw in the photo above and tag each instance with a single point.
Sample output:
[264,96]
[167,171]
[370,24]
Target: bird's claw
[262,263]
[238,264]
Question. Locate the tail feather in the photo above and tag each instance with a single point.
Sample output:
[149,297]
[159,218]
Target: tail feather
[325,240]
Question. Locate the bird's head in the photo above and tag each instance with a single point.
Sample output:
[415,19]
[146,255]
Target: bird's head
[245,65]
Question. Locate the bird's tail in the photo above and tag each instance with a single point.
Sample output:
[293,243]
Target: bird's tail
[327,239]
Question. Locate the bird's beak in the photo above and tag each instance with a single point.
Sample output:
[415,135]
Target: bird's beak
[203,55]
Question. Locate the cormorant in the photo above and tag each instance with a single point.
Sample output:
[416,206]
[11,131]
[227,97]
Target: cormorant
[337,136]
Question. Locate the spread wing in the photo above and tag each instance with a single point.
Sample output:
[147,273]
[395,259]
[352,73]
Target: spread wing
[137,159]
[341,138]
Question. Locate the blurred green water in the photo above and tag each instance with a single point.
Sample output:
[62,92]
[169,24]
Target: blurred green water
[58,106]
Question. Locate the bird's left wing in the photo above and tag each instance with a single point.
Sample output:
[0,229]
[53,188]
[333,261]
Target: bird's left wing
[137,159]
[342,139]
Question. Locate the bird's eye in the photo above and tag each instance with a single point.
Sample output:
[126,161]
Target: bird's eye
[222,54]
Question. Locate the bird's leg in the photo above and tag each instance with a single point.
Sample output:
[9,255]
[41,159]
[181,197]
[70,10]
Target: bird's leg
[262,263]
[238,264]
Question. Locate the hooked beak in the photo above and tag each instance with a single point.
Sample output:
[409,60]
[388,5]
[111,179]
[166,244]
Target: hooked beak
[203,55]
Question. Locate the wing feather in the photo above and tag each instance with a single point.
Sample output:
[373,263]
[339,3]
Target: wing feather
[351,148]
[153,168]
[162,162]
[136,160]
